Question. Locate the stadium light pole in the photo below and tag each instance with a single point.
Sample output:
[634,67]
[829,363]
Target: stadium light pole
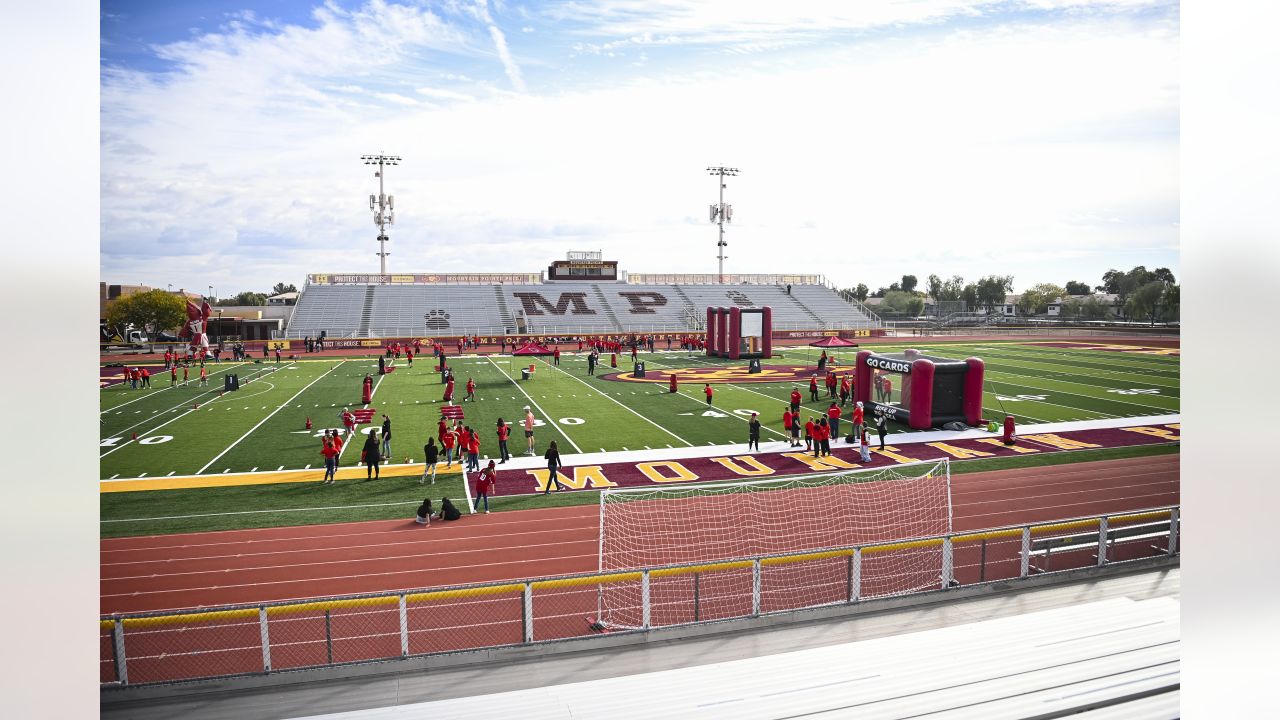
[382,205]
[721,214]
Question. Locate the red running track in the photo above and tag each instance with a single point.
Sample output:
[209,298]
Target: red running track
[165,572]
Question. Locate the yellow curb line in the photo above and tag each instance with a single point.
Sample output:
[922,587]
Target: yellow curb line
[183,482]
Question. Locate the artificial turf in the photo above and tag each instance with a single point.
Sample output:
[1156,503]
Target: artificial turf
[190,430]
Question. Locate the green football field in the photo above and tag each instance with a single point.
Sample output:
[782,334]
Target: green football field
[261,427]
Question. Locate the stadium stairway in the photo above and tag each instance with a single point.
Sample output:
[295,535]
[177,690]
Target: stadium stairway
[806,310]
[608,309]
[689,309]
[366,314]
[504,312]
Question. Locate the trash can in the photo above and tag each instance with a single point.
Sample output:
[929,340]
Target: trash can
[638,371]
[524,373]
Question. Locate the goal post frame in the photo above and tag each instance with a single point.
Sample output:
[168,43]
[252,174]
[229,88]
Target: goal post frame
[944,462]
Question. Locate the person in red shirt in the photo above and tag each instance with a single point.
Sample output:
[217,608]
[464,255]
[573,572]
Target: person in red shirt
[813,388]
[857,419]
[672,384]
[808,435]
[504,432]
[555,356]
[186,373]
[633,353]
[888,390]
[788,425]
[831,384]
[818,429]
[795,401]
[173,375]
[330,454]
[348,420]
[579,344]
[146,378]
[486,483]
[408,356]
[471,390]
[708,392]
[441,428]
[448,441]
[168,356]
[472,446]
[448,391]
[844,390]
[833,419]
[204,376]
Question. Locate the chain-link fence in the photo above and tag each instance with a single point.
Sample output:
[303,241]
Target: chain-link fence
[159,648]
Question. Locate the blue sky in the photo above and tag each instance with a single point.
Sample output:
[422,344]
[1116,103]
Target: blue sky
[1037,138]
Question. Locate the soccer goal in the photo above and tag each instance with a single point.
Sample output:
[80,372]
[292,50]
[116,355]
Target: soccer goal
[713,525]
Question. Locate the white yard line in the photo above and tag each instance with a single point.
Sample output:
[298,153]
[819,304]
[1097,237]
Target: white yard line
[161,389]
[191,399]
[372,393]
[624,407]
[535,404]
[269,416]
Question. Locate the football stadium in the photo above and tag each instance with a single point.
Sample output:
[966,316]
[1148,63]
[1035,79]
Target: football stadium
[227,552]
[561,455]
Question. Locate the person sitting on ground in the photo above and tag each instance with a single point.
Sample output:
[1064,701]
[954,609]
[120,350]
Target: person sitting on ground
[448,511]
[424,512]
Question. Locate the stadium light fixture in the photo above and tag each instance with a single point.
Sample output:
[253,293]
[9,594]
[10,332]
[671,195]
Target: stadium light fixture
[382,205]
[722,213]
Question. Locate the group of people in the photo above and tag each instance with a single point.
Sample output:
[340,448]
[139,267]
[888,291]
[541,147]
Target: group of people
[139,378]
[314,344]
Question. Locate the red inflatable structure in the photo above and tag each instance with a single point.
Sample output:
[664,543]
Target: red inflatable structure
[930,391]
[739,332]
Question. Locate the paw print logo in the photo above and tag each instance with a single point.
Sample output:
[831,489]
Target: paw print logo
[436,319]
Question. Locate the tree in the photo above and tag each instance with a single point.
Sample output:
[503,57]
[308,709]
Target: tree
[933,287]
[1170,302]
[1035,300]
[1077,288]
[281,289]
[1164,275]
[992,289]
[1091,308]
[906,303]
[153,311]
[860,292]
[879,293]
[1145,301]
[249,298]
[969,294]
[909,283]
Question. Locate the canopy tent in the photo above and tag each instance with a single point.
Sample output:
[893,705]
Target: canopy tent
[532,348]
[831,341]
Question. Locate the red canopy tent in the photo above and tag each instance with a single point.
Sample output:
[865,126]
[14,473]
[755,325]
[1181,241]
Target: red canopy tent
[832,341]
[532,348]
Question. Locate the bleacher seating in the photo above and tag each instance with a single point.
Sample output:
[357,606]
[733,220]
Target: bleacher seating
[555,308]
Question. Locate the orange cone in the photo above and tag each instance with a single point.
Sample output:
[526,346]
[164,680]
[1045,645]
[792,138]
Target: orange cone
[308,423]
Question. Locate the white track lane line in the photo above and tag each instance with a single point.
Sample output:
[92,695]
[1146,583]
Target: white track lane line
[269,416]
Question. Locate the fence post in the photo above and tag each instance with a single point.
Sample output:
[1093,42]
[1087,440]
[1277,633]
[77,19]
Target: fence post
[328,635]
[948,563]
[404,627]
[1026,552]
[117,644]
[755,587]
[982,564]
[527,612]
[1173,531]
[266,638]
[855,575]
[645,607]
[1102,541]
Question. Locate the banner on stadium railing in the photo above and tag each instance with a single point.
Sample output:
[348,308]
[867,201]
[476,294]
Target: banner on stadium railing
[819,334]
[425,279]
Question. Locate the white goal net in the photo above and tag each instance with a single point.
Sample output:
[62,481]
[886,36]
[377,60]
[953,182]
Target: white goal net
[718,523]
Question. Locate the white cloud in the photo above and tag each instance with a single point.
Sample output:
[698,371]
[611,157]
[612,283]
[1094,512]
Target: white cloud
[1044,151]
[500,45]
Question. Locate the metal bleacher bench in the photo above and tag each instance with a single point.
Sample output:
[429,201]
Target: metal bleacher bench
[1093,540]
